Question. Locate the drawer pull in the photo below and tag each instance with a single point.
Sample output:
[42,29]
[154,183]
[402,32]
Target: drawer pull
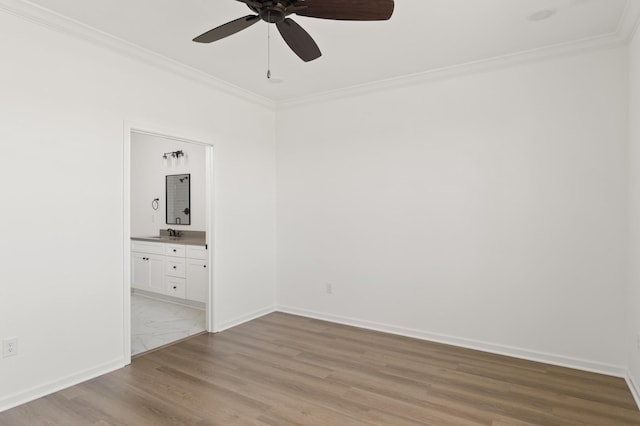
[175,267]
[174,250]
[175,287]
[204,266]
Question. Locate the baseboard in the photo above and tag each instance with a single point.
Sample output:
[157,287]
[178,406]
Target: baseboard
[245,318]
[45,389]
[39,391]
[633,386]
[546,358]
[166,298]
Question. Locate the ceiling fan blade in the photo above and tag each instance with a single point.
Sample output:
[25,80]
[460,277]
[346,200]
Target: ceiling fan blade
[348,10]
[299,40]
[227,29]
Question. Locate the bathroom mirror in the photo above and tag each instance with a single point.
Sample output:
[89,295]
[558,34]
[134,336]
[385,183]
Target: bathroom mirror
[178,199]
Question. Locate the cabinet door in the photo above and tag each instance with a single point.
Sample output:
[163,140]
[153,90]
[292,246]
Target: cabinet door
[156,273]
[139,271]
[197,280]
[147,272]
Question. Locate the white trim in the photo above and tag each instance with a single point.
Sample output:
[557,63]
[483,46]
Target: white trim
[559,360]
[202,140]
[246,318]
[634,31]
[63,24]
[212,308]
[126,242]
[48,388]
[201,306]
[626,28]
[629,20]
[483,65]
[633,387]
[169,133]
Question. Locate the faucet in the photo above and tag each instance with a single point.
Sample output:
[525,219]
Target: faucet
[174,232]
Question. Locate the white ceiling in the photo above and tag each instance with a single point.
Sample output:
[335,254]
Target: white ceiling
[422,35]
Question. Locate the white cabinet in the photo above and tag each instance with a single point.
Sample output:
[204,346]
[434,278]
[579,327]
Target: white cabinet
[176,287]
[147,271]
[139,271]
[174,267]
[198,279]
[175,270]
[176,250]
[197,252]
[147,247]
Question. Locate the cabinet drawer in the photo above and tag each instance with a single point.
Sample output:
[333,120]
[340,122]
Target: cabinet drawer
[175,267]
[197,252]
[146,247]
[176,287]
[177,250]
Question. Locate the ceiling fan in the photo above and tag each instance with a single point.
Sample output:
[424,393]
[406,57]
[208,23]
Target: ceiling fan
[277,12]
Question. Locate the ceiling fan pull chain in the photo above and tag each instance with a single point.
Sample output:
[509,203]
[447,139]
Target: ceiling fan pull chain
[269,50]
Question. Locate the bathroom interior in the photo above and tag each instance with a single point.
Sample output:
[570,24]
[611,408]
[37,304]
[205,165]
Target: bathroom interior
[169,254]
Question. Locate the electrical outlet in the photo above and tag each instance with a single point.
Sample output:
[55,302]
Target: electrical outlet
[328,288]
[10,347]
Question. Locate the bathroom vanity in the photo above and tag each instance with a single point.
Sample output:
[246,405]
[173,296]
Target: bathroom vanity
[174,266]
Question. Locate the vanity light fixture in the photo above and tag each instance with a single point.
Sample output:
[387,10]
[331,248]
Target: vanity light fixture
[174,154]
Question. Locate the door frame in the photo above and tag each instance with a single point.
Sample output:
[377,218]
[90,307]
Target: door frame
[181,136]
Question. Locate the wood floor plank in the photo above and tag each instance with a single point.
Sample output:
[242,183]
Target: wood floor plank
[288,370]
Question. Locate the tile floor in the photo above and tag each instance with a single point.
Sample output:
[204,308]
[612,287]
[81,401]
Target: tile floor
[155,323]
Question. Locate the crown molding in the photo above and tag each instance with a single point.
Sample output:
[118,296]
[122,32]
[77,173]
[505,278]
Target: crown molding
[629,20]
[24,9]
[627,26]
[60,23]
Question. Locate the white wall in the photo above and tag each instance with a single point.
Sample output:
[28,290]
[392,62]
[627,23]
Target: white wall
[487,210]
[148,172]
[634,212]
[63,106]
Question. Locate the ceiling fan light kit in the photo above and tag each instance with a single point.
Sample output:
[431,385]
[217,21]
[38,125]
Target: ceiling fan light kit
[277,12]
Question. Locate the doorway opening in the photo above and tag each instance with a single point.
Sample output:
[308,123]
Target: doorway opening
[168,247]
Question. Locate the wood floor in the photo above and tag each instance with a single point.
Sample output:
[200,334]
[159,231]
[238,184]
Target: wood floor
[282,370]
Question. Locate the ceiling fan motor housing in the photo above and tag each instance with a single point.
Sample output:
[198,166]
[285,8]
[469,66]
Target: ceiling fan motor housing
[273,13]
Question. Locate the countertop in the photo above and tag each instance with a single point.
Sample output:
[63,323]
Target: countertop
[189,238]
